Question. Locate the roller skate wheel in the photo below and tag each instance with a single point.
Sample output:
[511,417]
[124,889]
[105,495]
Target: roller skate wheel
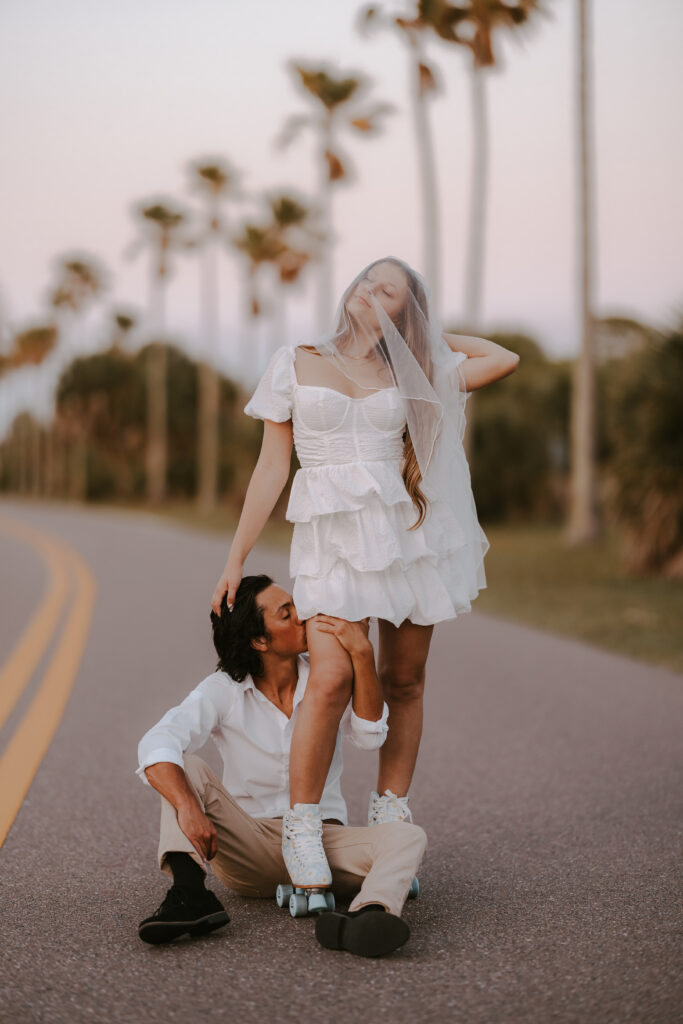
[298,905]
[329,900]
[414,890]
[282,894]
[317,903]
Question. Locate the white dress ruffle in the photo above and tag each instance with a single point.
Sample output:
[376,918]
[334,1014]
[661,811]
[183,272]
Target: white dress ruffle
[353,553]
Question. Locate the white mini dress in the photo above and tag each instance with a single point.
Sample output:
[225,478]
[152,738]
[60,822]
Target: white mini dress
[353,553]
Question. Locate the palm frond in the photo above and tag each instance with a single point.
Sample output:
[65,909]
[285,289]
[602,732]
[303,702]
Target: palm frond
[427,79]
[329,89]
[368,121]
[292,126]
[287,210]
[335,168]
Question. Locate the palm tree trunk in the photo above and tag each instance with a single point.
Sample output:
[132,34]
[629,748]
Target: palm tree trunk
[479,182]
[23,457]
[49,478]
[431,242]
[324,311]
[208,386]
[247,354]
[279,336]
[36,459]
[477,227]
[156,423]
[583,524]
[156,453]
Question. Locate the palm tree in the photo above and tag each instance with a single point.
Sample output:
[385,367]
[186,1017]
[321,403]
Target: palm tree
[262,244]
[411,29]
[122,324]
[332,94]
[583,524]
[300,244]
[80,281]
[161,221]
[472,24]
[30,348]
[215,181]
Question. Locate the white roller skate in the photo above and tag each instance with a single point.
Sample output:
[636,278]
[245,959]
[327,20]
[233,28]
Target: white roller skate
[305,860]
[390,807]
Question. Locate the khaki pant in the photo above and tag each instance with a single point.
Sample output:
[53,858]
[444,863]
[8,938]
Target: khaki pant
[379,861]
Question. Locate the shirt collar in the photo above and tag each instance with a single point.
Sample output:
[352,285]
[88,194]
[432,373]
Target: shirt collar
[303,666]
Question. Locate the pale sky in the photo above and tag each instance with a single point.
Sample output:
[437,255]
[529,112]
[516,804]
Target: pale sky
[103,104]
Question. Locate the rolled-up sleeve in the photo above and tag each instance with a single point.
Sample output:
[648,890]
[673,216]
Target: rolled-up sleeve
[363,733]
[186,727]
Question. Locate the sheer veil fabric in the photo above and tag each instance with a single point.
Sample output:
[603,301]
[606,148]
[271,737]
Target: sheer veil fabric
[410,354]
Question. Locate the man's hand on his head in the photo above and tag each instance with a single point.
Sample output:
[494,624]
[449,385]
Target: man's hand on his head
[353,636]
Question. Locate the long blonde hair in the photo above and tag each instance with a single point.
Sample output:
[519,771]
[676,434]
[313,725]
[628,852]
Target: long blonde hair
[411,326]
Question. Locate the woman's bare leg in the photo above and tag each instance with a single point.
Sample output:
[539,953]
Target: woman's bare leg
[328,692]
[403,654]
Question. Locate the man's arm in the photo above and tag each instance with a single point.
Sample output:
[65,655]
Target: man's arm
[170,780]
[185,728]
[368,701]
[182,730]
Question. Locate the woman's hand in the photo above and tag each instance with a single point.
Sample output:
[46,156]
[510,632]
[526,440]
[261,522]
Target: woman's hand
[230,580]
[353,636]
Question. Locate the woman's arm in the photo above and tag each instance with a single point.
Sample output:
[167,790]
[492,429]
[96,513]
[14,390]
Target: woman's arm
[265,487]
[490,361]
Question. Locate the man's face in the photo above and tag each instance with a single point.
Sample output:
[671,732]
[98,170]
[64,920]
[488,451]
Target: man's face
[287,631]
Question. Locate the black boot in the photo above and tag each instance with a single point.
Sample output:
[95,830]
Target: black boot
[370,931]
[197,914]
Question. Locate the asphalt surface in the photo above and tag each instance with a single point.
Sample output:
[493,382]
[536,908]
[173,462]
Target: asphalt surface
[549,784]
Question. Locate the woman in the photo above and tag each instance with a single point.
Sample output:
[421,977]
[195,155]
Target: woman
[385,523]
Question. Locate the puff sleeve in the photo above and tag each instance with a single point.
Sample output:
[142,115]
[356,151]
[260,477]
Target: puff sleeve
[273,397]
[453,367]
[448,365]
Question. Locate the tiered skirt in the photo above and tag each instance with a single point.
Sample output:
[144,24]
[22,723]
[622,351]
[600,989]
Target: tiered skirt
[354,555]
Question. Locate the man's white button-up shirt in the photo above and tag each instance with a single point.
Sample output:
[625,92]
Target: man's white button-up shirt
[253,737]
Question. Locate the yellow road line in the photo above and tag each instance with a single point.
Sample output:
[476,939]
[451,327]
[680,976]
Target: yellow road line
[18,669]
[32,737]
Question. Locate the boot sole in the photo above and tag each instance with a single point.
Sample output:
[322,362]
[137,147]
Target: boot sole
[157,932]
[374,933]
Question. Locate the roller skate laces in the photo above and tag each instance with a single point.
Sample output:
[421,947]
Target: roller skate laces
[302,847]
[388,807]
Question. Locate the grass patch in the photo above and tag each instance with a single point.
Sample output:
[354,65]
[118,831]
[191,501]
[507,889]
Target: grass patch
[535,579]
[582,592]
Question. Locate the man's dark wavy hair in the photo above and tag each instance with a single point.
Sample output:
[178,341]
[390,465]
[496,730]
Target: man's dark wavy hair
[233,631]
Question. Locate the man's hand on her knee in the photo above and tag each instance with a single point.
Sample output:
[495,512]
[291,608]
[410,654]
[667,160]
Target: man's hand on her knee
[199,830]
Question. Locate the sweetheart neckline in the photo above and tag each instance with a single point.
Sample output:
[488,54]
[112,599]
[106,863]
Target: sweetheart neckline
[324,387]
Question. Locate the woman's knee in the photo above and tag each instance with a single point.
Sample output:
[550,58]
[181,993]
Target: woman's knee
[331,682]
[402,683]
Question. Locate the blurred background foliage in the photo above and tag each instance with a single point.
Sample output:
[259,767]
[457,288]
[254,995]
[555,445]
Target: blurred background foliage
[519,444]
[576,464]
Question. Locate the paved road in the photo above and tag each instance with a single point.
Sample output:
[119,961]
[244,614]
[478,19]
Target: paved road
[549,785]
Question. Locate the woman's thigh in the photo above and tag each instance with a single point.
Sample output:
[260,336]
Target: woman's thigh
[329,660]
[403,650]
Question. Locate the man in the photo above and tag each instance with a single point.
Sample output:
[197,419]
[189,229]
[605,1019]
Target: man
[249,708]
